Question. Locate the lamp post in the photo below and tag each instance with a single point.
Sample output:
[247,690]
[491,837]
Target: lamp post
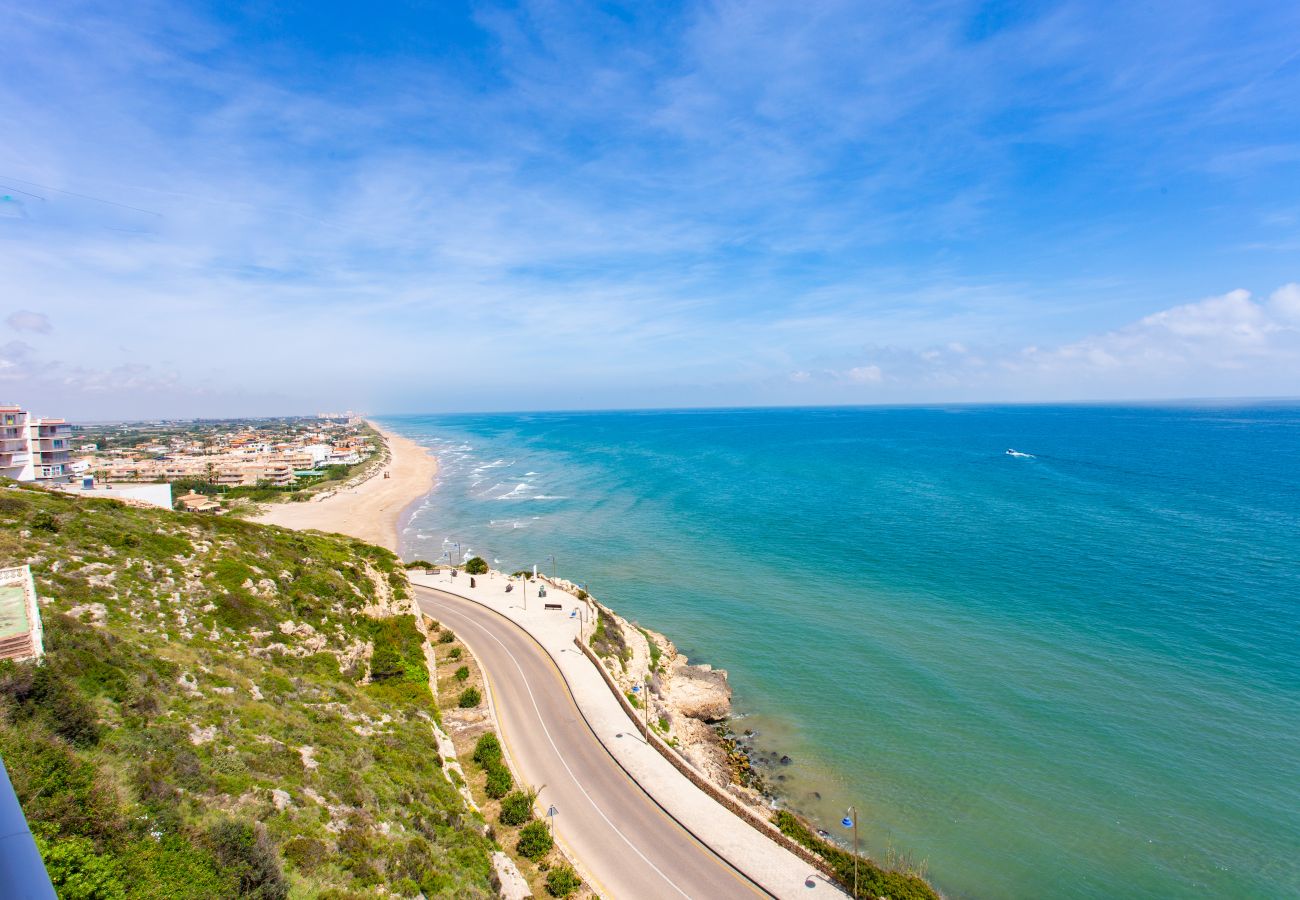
[850,820]
[555,567]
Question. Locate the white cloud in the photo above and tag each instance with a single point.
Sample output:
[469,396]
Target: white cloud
[1285,303]
[26,320]
[1231,331]
[865,374]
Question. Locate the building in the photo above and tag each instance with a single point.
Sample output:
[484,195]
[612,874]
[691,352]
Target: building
[193,502]
[33,449]
[20,616]
[159,495]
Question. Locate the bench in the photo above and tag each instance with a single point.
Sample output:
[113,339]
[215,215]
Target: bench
[552,606]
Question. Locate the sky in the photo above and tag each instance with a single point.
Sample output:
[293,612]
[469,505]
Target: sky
[278,208]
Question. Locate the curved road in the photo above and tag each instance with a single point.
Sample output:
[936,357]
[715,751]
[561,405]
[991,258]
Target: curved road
[631,847]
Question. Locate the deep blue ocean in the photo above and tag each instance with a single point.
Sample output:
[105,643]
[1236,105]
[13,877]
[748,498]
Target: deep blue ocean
[1073,673]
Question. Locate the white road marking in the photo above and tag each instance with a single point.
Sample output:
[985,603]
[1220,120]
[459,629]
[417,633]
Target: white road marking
[560,756]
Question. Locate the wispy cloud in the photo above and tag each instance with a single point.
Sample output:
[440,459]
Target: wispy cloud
[680,205]
[26,320]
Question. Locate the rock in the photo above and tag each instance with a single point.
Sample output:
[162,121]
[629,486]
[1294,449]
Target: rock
[785,760]
[700,692]
[507,880]
[280,798]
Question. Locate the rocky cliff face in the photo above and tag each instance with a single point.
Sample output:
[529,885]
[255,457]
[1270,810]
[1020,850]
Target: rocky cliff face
[687,702]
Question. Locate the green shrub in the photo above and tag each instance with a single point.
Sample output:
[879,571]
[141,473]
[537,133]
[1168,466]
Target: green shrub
[499,781]
[476,566]
[517,808]
[78,872]
[454,653]
[562,881]
[469,698]
[419,564]
[462,674]
[306,854]
[447,636]
[488,749]
[582,595]
[534,840]
[246,849]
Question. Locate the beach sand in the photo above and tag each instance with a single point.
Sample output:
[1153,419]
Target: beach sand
[371,510]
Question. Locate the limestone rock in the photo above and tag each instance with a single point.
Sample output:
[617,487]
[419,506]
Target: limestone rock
[510,884]
[701,692]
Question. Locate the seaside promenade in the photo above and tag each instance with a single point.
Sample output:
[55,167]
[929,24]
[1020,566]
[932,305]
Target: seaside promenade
[634,823]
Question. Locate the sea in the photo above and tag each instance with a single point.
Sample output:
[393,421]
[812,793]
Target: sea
[1042,651]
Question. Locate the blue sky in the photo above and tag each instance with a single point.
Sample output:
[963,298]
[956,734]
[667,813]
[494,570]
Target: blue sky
[263,208]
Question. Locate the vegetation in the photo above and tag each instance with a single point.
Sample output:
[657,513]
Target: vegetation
[225,709]
[534,840]
[517,808]
[608,637]
[462,674]
[487,750]
[476,566]
[419,564]
[454,653]
[469,698]
[562,881]
[499,780]
[873,881]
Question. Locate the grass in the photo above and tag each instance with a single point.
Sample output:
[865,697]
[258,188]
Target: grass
[194,666]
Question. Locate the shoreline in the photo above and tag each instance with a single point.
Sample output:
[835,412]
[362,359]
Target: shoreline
[373,510]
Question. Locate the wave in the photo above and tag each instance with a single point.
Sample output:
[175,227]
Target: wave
[517,491]
[1019,455]
[550,497]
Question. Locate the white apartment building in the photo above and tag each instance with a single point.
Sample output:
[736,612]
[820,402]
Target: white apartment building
[33,449]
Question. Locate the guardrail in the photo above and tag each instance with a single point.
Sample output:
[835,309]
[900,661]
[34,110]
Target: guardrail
[22,872]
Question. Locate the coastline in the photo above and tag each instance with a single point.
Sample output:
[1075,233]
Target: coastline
[372,510]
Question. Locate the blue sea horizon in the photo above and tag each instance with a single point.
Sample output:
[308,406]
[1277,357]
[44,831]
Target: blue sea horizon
[1069,671]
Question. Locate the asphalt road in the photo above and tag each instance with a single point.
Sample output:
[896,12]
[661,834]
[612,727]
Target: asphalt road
[631,847]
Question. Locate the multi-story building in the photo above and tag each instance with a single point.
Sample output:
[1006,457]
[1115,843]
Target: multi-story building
[33,449]
[13,441]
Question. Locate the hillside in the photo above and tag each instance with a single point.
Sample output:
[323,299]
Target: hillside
[225,709]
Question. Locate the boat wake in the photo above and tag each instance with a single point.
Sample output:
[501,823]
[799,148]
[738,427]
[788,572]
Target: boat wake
[1019,455]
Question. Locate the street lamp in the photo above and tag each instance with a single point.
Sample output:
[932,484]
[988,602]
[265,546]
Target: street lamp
[850,820]
[555,567]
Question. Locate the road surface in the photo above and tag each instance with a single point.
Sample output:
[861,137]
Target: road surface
[630,846]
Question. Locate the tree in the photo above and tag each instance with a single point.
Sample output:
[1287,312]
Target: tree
[534,840]
[476,566]
[562,881]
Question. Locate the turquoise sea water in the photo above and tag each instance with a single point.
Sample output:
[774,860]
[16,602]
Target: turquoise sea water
[1071,675]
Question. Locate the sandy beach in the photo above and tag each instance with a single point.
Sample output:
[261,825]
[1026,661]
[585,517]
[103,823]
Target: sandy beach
[370,510]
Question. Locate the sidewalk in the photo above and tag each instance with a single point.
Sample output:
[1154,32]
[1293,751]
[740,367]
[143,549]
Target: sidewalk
[772,866]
